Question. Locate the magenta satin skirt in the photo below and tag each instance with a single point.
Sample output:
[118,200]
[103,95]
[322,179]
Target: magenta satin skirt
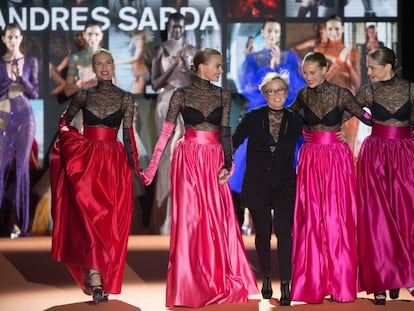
[386,212]
[207,262]
[324,256]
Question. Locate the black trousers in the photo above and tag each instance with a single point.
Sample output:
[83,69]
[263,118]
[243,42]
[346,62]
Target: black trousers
[281,199]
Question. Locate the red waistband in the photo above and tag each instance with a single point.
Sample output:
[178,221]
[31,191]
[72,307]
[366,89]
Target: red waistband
[100,133]
[387,131]
[324,137]
[202,137]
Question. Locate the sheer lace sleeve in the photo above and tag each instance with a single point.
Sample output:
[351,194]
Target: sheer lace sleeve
[78,101]
[297,105]
[128,110]
[128,131]
[225,120]
[175,106]
[349,103]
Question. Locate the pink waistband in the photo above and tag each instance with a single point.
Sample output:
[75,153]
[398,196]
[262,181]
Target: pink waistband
[324,138]
[202,137]
[387,131]
[100,133]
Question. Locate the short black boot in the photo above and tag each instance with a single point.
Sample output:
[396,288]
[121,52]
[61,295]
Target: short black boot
[267,291]
[285,298]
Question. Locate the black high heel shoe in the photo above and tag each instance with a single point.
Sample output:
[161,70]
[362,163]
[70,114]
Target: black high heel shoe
[267,290]
[285,297]
[98,294]
[394,293]
[379,298]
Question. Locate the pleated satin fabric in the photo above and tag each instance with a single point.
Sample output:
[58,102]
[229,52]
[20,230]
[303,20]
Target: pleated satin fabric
[386,212]
[324,256]
[207,261]
[91,205]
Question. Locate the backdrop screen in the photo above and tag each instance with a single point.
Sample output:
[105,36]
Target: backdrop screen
[233,27]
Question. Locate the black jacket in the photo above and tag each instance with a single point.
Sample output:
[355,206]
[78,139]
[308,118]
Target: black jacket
[265,168]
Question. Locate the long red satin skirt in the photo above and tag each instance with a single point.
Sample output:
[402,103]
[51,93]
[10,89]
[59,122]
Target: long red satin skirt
[91,205]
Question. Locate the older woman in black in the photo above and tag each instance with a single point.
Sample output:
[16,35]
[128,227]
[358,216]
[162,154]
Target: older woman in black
[269,182]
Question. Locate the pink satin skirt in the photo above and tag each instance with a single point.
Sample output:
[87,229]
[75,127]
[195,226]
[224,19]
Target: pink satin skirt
[386,209]
[207,262]
[324,256]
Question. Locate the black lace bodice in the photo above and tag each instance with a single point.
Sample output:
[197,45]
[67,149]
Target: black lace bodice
[203,105]
[323,107]
[104,105]
[107,106]
[275,120]
[391,102]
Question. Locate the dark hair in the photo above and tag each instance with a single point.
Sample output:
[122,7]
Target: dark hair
[269,21]
[10,27]
[91,23]
[203,56]
[316,57]
[177,16]
[383,56]
[366,32]
[334,18]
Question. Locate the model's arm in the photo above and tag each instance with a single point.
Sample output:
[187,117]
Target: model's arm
[350,104]
[30,81]
[159,77]
[354,68]
[139,47]
[128,132]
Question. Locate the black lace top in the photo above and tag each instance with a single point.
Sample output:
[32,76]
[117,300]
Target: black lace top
[275,121]
[327,106]
[106,105]
[391,102]
[203,105]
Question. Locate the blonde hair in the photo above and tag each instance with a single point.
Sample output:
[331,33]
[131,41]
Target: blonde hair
[101,51]
[273,76]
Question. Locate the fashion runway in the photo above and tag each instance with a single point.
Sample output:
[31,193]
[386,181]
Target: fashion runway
[30,280]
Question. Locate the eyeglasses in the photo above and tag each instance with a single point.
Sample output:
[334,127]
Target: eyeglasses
[280,91]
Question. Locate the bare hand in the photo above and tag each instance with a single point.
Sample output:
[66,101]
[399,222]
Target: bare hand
[341,136]
[275,54]
[223,176]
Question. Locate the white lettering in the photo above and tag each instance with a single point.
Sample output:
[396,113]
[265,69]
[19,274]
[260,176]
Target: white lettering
[79,18]
[2,21]
[104,19]
[164,13]
[74,19]
[36,14]
[125,15]
[147,20]
[19,20]
[209,19]
[196,17]
[60,17]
